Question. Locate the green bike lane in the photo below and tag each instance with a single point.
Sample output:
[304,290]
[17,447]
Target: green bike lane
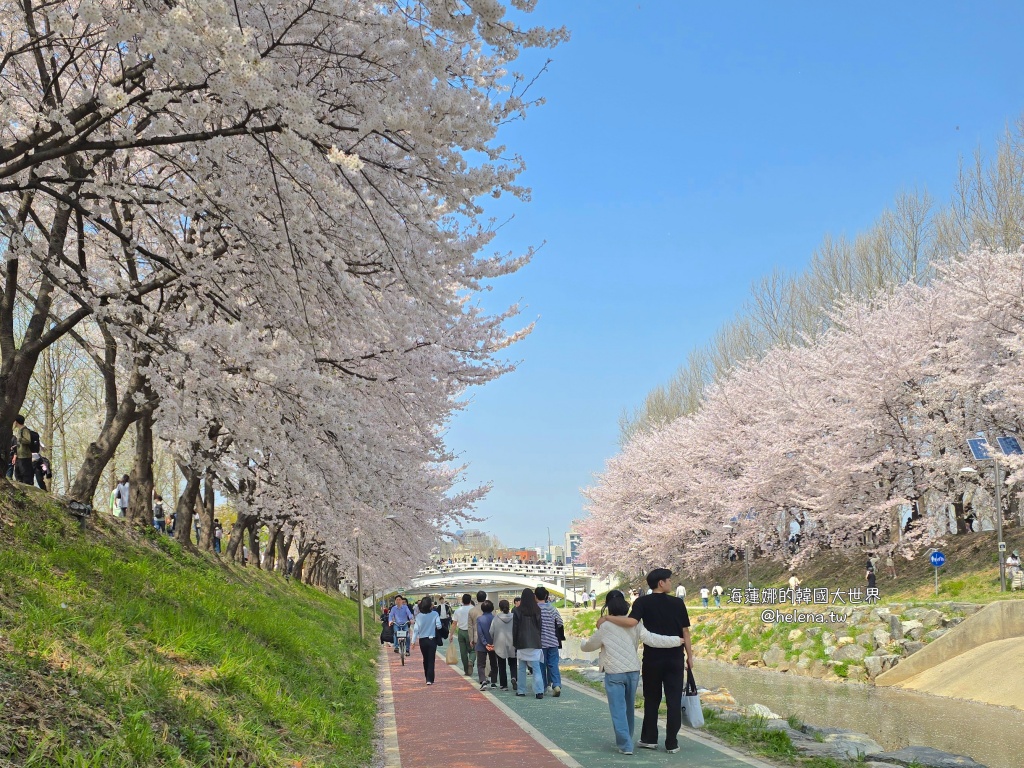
[579,724]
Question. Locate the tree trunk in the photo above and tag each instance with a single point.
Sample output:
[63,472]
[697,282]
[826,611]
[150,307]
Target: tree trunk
[122,416]
[236,537]
[49,397]
[254,544]
[304,549]
[206,517]
[272,537]
[186,503]
[960,514]
[140,495]
[283,550]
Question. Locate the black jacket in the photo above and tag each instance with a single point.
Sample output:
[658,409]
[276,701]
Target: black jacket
[525,630]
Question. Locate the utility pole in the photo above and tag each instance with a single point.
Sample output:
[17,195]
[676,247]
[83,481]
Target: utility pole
[359,589]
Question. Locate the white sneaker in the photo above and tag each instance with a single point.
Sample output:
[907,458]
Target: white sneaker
[645,745]
[625,752]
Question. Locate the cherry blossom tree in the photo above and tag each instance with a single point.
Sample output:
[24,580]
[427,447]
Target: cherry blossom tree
[273,209]
[840,434]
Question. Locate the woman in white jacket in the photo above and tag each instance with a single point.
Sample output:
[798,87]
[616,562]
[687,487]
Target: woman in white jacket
[621,665]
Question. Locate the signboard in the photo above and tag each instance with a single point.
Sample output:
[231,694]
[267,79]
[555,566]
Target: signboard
[1009,446]
[979,448]
[938,559]
[1002,546]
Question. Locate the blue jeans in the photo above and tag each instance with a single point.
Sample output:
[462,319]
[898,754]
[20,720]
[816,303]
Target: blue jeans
[552,675]
[538,677]
[621,691]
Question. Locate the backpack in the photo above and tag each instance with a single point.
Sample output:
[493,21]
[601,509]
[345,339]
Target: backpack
[36,447]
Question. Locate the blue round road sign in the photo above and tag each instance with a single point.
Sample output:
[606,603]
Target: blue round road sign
[938,559]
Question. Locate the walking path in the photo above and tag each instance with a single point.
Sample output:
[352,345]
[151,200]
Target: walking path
[453,724]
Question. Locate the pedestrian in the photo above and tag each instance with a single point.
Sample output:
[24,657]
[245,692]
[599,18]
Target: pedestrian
[400,618]
[501,636]
[593,598]
[663,668]
[717,591]
[159,516]
[425,629]
[444,611]
[680,593]
[387,636]
[704,594]
[28,443]
[121,495]
[41,469]
[474,613]
[621,665]
[218,535]
[890,566]
[526,621]
[174,519]
[794,582]
[550,621]
[460,620]
[870,576]
[485,647]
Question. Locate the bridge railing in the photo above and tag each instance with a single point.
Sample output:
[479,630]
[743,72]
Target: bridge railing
[520,569]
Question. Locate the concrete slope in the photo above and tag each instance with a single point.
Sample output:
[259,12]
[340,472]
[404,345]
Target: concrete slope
[996,621]
[992,673]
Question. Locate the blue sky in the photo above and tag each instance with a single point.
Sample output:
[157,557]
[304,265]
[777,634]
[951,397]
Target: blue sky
[686,149]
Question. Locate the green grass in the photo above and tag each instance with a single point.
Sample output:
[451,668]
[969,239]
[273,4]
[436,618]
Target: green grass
[583,624]
[751,734]
[117,650]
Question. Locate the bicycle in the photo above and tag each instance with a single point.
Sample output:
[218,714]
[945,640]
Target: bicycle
[402,640]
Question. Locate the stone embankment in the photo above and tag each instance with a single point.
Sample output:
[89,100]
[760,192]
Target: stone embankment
[858,643]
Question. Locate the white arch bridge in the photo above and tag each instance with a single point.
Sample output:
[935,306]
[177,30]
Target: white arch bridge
[498,577]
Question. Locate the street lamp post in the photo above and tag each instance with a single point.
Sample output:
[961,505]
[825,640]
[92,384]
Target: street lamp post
[999,519]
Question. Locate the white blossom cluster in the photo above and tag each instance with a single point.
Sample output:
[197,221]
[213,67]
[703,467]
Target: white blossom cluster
[843,435]
[273,208]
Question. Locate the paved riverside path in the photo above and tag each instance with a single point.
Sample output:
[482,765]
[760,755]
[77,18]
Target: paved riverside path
[453,724]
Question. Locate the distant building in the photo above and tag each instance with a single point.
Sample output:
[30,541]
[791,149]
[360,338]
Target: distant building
[573,545]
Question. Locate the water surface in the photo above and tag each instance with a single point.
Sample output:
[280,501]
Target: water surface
[895,718]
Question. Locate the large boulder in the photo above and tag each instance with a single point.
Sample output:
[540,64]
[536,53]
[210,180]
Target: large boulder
[795,635]
[926,757]
[931,617]
[935,634]
[912,646]
[774,656]
[895,627]
[881,638]
[759,710]
[873,665]
[910,627]
[720,697]
[849,653]
[845,640]
[840,744]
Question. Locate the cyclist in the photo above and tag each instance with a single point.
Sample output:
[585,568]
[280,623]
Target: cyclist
[399,619]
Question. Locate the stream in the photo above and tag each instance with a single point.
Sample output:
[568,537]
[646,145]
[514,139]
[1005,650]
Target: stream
[895,718]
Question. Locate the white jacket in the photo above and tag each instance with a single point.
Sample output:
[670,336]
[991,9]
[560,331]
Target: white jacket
[618,646]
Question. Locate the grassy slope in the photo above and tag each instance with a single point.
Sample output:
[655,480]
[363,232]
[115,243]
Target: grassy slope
[971,572]
[118,650]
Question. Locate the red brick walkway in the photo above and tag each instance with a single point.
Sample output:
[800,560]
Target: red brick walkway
[451,724]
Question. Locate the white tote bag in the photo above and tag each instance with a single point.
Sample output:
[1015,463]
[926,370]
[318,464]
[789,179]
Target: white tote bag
[693,715]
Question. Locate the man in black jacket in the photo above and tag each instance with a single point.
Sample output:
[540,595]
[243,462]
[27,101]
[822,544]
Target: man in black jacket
[663,668]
